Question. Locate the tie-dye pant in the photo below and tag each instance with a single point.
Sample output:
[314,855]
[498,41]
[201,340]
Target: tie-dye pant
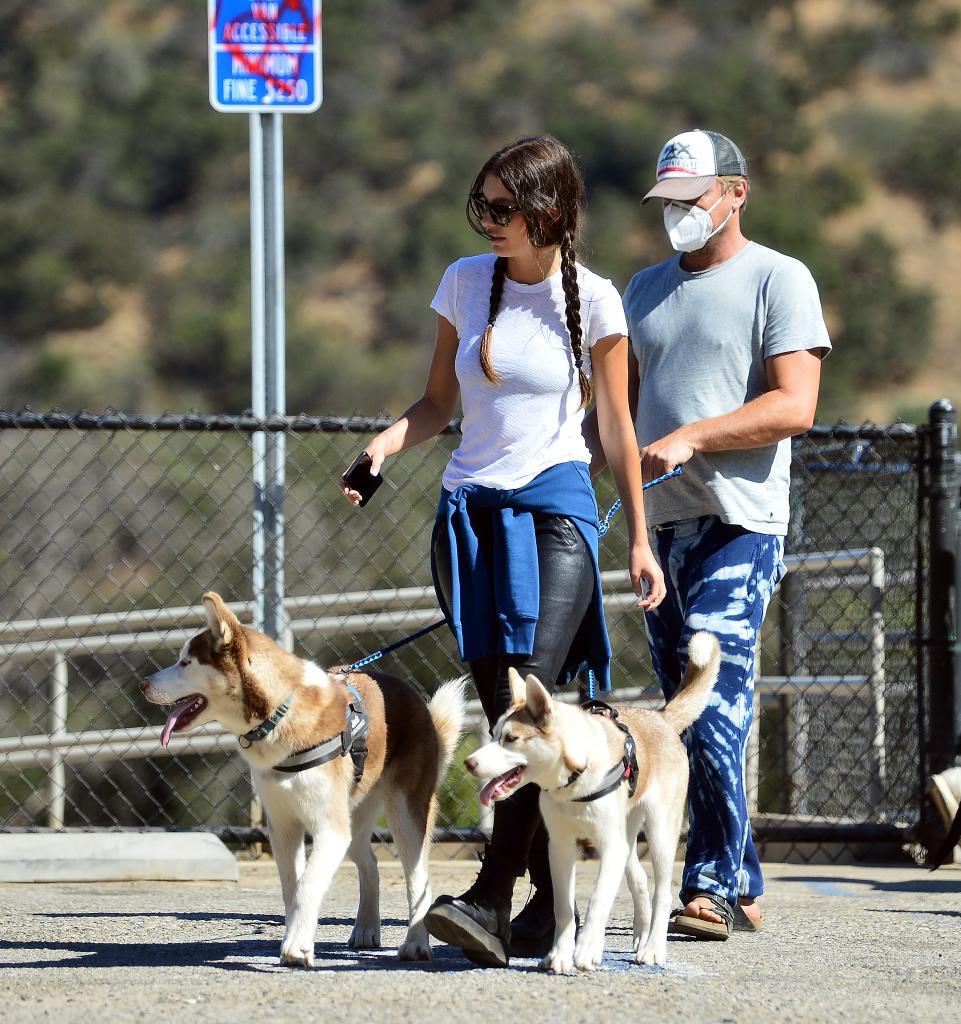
[719,578]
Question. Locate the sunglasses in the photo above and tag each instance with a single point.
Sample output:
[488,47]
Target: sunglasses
[499,213]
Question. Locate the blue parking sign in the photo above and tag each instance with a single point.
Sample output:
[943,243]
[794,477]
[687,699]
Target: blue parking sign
[265,55]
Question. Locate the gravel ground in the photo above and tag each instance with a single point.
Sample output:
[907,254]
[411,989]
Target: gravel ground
[852,943]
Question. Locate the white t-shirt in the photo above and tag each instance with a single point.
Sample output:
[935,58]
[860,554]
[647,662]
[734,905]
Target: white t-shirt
[531,421]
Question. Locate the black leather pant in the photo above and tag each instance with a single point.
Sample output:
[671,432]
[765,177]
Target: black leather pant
[566,574]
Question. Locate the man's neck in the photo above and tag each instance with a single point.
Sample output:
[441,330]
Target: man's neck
[718,250]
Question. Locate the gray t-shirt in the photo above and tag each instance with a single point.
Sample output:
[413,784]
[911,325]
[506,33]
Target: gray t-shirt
[700,340]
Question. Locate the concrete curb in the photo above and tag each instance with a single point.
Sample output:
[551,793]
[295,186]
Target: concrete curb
[115,857]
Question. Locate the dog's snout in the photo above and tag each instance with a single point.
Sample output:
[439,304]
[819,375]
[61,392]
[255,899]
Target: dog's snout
[144,685]
[470,763]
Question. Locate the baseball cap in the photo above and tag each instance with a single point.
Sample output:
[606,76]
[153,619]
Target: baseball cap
[690,162]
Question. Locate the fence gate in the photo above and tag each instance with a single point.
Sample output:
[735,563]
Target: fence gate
[113,526]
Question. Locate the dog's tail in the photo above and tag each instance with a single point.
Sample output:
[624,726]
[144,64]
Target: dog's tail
[703,661]
[447,709]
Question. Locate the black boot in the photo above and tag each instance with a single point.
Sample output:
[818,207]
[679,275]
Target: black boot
[479,921]
[532,931]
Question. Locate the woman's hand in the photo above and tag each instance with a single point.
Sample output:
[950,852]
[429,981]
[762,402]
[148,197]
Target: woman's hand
[428,416]
[646,576]
[377,455]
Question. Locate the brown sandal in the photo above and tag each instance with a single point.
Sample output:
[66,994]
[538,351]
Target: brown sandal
[699,928]
[744,923]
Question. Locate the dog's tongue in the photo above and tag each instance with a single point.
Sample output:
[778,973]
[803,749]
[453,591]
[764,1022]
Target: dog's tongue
[493,788]
[171,722]
[487,793]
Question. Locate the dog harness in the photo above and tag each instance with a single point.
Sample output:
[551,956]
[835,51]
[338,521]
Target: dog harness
[626,768]
[353,739]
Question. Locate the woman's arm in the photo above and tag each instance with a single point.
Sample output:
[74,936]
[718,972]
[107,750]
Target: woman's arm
[592,436]
[615,430]
[428,416]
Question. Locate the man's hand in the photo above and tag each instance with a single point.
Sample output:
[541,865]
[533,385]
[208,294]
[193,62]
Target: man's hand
[665,455]
[785,409]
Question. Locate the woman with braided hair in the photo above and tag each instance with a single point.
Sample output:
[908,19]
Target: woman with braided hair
[527,336]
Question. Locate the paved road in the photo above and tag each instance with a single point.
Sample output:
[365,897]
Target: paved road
[842,944]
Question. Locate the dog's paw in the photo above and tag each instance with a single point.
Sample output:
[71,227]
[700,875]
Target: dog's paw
[557,962]
[295,953]
[642,928]
[365,936]
[414,949]
[640,940]
[588,955]
[653,954]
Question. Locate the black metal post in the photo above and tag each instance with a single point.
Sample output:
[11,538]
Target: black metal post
[944,650]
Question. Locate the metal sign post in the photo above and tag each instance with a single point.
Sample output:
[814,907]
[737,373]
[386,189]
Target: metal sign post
[265,58]
[268,366]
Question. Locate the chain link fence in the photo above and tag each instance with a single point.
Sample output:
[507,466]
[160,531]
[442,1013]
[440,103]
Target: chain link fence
[111,528]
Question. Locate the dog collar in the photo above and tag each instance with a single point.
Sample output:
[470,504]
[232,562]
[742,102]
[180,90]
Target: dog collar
[626,768]
[267,727]
[574,776]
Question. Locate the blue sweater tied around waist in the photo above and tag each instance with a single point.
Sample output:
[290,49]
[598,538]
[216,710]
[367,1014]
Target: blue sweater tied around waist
[495,596]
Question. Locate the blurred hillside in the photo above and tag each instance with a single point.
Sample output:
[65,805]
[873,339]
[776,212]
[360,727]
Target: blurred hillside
[124,261]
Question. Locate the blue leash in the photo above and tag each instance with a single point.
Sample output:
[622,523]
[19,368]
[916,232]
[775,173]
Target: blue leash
[605,524]
[603,527]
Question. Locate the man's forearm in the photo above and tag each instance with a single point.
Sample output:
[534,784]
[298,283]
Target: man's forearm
[765,420]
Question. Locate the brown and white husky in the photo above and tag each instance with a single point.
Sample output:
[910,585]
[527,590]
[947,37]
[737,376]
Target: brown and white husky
[591,789]
[289,714]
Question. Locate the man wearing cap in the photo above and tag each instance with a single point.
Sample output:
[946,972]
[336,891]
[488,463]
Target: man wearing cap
[727,339]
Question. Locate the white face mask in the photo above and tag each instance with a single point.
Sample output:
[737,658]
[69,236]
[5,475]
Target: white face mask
[690,227]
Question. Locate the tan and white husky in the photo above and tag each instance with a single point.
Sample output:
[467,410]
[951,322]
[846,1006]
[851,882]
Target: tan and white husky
[281,707]
[581,761]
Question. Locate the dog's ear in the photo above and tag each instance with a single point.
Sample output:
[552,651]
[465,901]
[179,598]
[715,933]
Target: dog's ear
[538,700]
[220,620]
[518,687]
[576,750]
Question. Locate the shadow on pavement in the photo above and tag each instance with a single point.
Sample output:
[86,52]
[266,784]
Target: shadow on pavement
[927,913]
[933,885]
[278,919]
[251,955]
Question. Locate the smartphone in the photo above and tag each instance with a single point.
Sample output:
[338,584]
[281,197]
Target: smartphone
[359,478]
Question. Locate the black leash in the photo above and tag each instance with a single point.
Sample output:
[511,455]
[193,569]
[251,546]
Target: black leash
[603,527]
[393,647]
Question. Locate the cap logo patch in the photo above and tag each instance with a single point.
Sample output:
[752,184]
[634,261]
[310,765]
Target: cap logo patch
[676,158]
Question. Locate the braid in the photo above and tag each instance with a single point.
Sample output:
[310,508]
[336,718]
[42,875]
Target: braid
[572,308]
[497,289]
